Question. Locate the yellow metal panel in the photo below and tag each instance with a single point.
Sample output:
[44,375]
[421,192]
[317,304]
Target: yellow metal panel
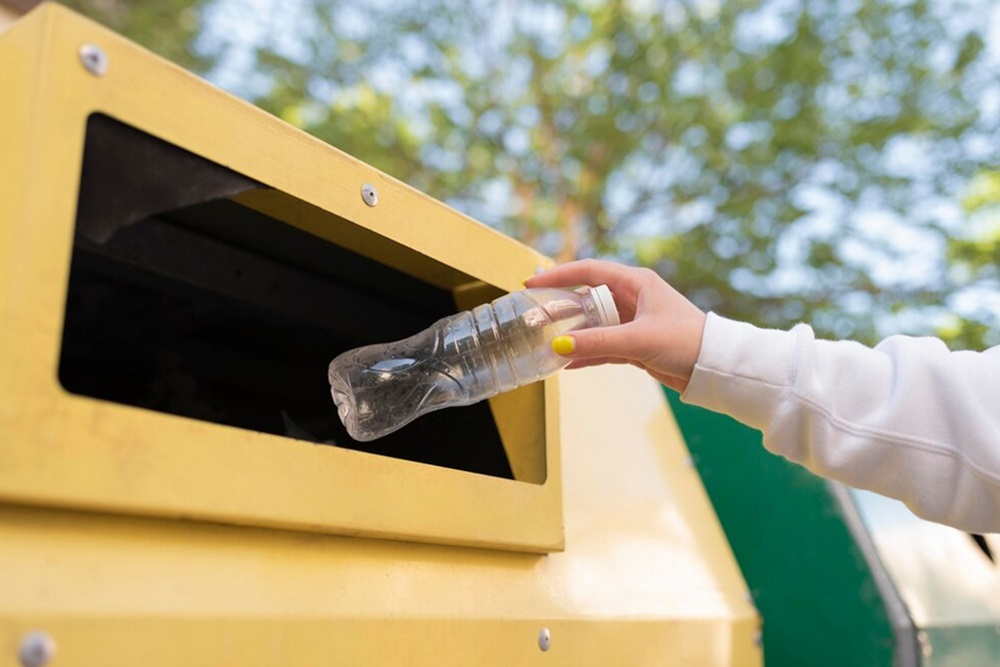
[646,578]
[65,449]
[15,52]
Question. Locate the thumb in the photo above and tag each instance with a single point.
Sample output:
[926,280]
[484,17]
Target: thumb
[607,342]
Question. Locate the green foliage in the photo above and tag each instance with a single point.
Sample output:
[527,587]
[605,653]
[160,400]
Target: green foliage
[167,27]
[776,161]
[974,258]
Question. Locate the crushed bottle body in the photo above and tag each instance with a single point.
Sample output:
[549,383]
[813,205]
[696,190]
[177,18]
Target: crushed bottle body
[461,359]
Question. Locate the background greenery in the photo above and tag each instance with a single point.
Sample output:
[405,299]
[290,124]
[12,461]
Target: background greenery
[776,160]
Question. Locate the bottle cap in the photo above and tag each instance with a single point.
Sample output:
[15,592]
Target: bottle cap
[606,308]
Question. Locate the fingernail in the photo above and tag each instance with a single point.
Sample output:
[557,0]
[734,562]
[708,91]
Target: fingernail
[563,345]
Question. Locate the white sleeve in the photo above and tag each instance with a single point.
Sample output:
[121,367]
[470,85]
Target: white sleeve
[908,419]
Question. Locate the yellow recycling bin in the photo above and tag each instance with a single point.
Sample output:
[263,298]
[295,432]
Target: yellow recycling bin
[176,269]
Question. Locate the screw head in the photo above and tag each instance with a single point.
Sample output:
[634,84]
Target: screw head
[94,59]
[369,194]
[544,639]
[37,649]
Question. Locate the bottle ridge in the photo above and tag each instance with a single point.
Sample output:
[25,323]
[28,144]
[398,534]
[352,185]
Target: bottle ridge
[463,358]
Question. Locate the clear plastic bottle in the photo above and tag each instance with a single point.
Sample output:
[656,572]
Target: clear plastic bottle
[462,359]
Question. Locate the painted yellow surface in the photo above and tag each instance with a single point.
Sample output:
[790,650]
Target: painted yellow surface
[646,577]
[133,537]
[77,452]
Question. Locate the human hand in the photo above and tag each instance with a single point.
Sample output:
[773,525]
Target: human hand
[660,330]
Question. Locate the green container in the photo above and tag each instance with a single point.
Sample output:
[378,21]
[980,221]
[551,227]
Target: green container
[808,576]
[842,576]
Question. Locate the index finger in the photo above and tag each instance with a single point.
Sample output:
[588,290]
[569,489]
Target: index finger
[581,272]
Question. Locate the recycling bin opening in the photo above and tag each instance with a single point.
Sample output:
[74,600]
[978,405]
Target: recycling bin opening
[184,301]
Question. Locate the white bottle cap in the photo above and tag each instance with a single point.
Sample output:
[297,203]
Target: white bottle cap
[606,308]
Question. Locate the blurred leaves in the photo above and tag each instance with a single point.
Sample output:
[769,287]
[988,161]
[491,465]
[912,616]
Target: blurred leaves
[775,160]
[167,27]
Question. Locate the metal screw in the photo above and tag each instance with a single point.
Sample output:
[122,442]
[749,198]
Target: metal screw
[37,648]
[94,59]
[544,639]
[369,194]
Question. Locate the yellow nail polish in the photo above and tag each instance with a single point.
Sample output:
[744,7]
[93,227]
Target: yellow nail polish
[524,282]
[563,345]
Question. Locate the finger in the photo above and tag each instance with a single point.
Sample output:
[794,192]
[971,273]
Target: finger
[596,361]
[597,343]
[625,282]
[582,272]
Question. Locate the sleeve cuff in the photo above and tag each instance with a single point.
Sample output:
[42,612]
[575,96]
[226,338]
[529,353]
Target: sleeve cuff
[742,370]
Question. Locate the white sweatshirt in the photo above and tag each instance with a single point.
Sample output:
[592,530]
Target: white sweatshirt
[908,419]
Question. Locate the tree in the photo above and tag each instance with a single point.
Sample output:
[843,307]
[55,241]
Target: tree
[775,161]
[168,27]
[974,260]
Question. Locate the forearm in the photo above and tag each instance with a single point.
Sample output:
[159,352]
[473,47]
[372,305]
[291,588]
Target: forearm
[908,419]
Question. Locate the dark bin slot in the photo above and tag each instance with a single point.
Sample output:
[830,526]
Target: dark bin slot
[216,312]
